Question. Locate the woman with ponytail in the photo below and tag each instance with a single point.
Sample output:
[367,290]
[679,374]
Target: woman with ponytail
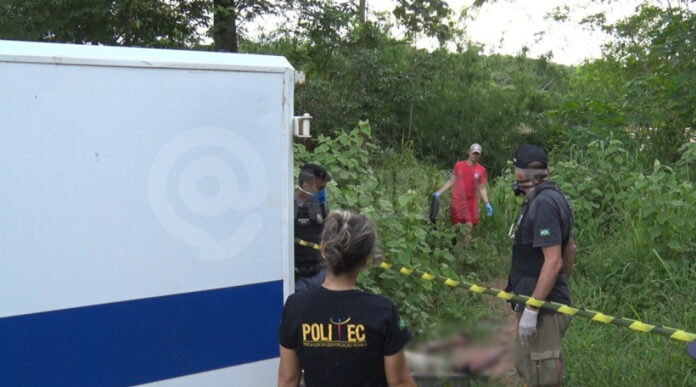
[337,334]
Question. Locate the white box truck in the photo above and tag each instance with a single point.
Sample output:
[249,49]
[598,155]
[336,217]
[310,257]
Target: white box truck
[145,220]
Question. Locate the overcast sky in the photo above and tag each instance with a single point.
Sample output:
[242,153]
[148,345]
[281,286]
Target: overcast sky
[505,26]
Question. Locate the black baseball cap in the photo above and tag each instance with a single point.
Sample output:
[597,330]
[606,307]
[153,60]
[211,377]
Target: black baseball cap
[317,171]
[530,156]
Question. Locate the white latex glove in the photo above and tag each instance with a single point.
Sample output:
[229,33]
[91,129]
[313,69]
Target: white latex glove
[528,326]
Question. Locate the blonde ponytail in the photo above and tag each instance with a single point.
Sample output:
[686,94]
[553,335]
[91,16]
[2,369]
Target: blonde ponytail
[348,239]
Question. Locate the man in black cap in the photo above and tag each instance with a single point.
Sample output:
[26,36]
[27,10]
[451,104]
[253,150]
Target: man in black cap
[310,211]
[543,254]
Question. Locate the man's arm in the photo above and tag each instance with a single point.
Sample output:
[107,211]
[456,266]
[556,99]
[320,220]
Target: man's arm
[483,193]
[569,257]
[289,368]
[447,185]
[553,263]
[396,370]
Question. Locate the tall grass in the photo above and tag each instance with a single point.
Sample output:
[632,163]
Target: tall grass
[635,233]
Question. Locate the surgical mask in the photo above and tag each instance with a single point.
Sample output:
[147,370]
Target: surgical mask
[320,197]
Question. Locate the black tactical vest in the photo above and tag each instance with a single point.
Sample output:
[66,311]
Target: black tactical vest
[308,228]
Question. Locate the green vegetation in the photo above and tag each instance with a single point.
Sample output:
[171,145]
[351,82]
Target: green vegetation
[393,189]
[633,227]
[619,131]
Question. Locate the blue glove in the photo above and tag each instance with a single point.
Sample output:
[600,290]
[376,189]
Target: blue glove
[436,194]
[489,209]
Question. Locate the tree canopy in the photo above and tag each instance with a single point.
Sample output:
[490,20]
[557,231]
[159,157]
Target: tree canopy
[434,102]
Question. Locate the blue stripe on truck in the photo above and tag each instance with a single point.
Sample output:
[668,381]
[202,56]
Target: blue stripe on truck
[144,340]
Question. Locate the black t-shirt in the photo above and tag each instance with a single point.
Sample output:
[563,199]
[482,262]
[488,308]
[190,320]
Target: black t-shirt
[341,337]
[548,222]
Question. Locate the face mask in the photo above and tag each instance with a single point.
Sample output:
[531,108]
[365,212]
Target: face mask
[519,191]
[320,197]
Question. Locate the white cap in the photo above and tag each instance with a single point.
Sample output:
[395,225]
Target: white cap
[476,148]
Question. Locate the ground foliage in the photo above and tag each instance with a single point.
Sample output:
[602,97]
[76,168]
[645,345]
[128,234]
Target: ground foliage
[635,229]
[633,225]
[390,188]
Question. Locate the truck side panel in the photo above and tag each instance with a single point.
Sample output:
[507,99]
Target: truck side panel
[144,222]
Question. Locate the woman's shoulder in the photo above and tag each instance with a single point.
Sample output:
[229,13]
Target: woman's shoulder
[376,300]
[300,299]
[321,296]
[310,293]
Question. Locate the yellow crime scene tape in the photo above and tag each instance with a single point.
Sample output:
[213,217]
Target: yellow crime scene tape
[676,334]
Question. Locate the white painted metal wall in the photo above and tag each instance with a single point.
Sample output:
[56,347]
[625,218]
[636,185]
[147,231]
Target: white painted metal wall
[131,176]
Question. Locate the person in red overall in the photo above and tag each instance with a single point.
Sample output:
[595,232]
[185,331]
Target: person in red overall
[469,181]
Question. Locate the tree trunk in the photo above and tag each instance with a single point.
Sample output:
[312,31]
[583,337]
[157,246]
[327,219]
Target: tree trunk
[225,25]
[124,16]
[362,11]
[410,120]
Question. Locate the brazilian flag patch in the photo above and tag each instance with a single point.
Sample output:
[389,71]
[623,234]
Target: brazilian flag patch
[402,324]
[544,232]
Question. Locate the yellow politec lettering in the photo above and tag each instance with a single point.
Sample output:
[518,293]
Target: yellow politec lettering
[305,331]
[360,333]
[351,332]
[325,336]
[316,332]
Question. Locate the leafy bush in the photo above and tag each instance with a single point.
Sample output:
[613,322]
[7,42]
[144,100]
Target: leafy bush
[633,229]
[393,189]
